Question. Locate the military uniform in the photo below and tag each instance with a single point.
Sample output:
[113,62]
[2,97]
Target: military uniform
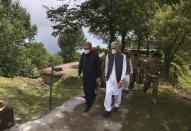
[136,62]
[152,68]
[141,71]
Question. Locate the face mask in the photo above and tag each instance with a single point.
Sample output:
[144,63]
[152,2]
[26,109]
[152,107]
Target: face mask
[86,51]
[113,51]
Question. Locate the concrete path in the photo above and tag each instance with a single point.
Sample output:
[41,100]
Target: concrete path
[70,117]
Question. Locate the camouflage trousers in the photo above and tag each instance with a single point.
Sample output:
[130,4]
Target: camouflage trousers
[141,76]
[149,80]
[135,75]
[133,79]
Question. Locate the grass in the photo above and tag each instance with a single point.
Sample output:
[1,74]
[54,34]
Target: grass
[172,113]
[185,79]
[31,100]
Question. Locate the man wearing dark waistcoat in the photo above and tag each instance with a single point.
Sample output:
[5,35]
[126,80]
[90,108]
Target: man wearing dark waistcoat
[90,65]
[115,70]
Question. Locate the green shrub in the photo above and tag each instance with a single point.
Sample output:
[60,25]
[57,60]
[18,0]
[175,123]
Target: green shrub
[30,73]
[174,73]
[55,60]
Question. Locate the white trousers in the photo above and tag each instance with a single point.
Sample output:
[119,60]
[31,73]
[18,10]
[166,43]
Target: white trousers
[108,101]
[112,89]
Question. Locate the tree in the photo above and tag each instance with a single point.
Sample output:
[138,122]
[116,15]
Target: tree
[69,42]
[172,31]
[63,18]
[100,16]
[16,29]
[55,60]
[108,19]
[37,54]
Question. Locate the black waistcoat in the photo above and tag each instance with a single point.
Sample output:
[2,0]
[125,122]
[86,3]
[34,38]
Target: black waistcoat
[118,65]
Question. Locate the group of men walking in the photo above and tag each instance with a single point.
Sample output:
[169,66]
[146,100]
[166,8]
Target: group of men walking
[117,72]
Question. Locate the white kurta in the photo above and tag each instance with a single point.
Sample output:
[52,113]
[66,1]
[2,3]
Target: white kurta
[112,87]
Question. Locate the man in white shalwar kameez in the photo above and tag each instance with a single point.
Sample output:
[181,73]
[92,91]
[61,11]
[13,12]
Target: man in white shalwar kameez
[115,71]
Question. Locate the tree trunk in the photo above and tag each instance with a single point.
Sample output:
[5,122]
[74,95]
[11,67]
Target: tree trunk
[123,43]
[167,63]
[148,49]
[139,44]
[112,35]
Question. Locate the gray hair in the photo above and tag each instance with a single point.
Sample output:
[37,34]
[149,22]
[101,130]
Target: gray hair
[88,44]
[114,42]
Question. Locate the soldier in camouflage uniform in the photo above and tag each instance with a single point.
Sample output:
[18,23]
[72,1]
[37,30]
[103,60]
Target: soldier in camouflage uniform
[136,62]
[103,84]
[141,71]
[152,69]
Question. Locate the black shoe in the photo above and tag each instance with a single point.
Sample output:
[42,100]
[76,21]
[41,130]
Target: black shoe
[115,109]
[107,113]
[87,108]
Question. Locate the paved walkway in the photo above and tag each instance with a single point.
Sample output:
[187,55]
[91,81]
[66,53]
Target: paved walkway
[70,117]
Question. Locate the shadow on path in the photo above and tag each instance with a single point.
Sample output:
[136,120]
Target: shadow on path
[93,120]
[70,117]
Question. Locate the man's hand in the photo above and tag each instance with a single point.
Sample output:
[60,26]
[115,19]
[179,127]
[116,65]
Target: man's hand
[79,77]
[120,84]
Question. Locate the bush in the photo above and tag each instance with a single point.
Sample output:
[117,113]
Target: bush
[55,60]
[30,73]
[176,71]
[77,56]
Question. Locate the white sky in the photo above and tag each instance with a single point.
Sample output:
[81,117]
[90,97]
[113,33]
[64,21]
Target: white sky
[38,17]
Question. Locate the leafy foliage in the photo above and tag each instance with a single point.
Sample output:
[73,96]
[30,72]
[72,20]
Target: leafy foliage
[162,24]
[16,29]
[172,31]
[19,54]
[69,42]
[37,54]
[55,60]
